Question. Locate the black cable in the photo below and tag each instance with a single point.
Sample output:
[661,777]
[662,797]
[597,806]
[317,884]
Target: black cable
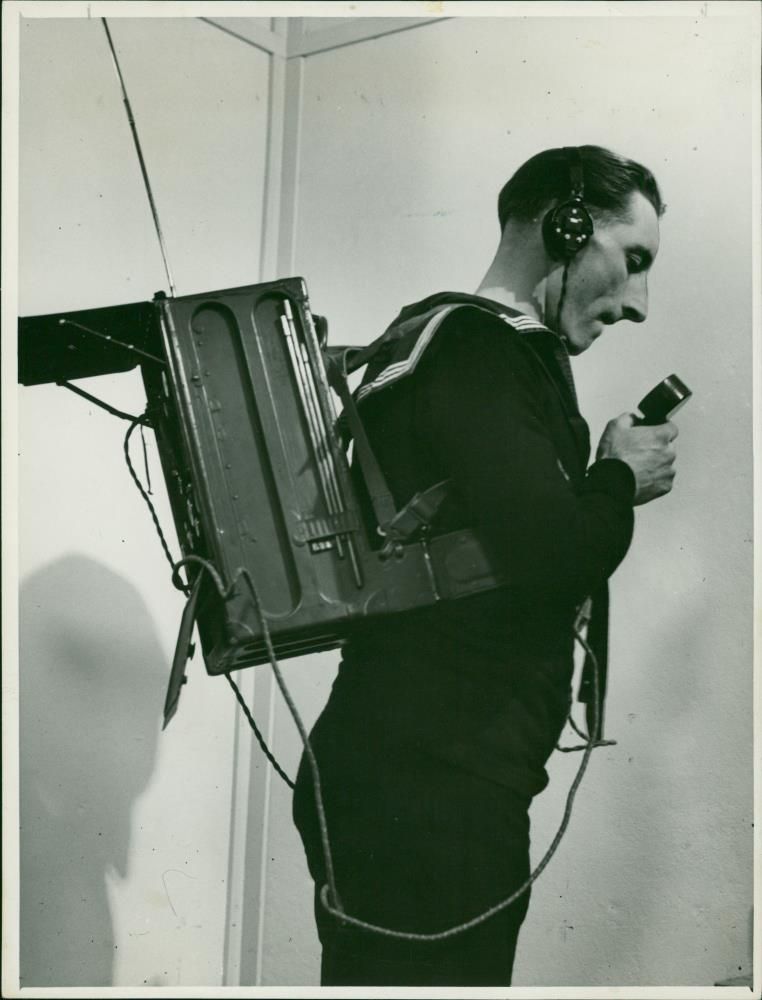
[329,896]
[561,298]
[204,564]
[223,591]
[105,406]
[260,739]
[329,893]
[329,890]
[583,735]
[145,496]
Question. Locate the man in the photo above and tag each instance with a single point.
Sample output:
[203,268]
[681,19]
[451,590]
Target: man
[436,734]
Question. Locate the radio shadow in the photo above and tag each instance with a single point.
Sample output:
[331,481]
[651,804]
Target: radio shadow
[91,682]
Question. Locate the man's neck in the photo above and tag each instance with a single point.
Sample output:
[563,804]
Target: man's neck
[518,276]
[508,297]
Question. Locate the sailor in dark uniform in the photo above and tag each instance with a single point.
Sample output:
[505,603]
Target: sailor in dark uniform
[436,734]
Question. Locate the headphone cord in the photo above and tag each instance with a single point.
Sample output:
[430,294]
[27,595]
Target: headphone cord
[562,298]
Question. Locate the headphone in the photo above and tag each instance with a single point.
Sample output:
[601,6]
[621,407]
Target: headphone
[567,228]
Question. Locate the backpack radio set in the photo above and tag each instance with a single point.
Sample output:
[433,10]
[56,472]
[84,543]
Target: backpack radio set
[237,383]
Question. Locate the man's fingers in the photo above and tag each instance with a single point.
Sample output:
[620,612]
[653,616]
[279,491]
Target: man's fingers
[665,433]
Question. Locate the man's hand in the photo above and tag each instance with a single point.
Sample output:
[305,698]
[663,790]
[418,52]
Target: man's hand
[648,451]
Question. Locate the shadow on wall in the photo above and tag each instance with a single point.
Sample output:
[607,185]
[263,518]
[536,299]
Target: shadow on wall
[91,678]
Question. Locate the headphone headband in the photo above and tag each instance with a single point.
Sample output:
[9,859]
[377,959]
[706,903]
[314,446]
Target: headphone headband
[576,172]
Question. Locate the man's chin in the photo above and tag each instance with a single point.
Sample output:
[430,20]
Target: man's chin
[576,348]
[580,341]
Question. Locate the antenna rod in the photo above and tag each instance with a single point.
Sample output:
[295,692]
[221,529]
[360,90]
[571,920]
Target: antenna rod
[143,170]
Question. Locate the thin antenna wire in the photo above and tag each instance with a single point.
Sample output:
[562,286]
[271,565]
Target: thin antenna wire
[143,170]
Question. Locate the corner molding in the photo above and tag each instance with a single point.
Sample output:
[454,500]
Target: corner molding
[251,31]
[296,43]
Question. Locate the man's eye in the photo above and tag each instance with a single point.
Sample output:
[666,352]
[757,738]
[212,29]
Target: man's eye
[634,263]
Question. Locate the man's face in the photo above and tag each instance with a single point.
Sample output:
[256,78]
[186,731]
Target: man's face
[607,281]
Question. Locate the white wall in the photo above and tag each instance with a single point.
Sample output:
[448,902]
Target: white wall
[405,141]
[125,831]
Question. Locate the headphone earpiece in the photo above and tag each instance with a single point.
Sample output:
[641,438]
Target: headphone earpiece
[567,228]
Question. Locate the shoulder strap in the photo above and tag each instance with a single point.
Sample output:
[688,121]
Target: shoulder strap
[420,511]
[378,490]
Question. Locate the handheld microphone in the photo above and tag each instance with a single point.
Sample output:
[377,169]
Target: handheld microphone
[663,401]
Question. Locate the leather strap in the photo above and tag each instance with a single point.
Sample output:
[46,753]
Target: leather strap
[381,498]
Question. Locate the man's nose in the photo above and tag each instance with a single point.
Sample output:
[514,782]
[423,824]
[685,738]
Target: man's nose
[635,303]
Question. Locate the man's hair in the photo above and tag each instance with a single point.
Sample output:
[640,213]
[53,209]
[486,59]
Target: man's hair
[609,182]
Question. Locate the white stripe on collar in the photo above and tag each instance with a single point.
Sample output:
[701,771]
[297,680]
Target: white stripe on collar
[399,369]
